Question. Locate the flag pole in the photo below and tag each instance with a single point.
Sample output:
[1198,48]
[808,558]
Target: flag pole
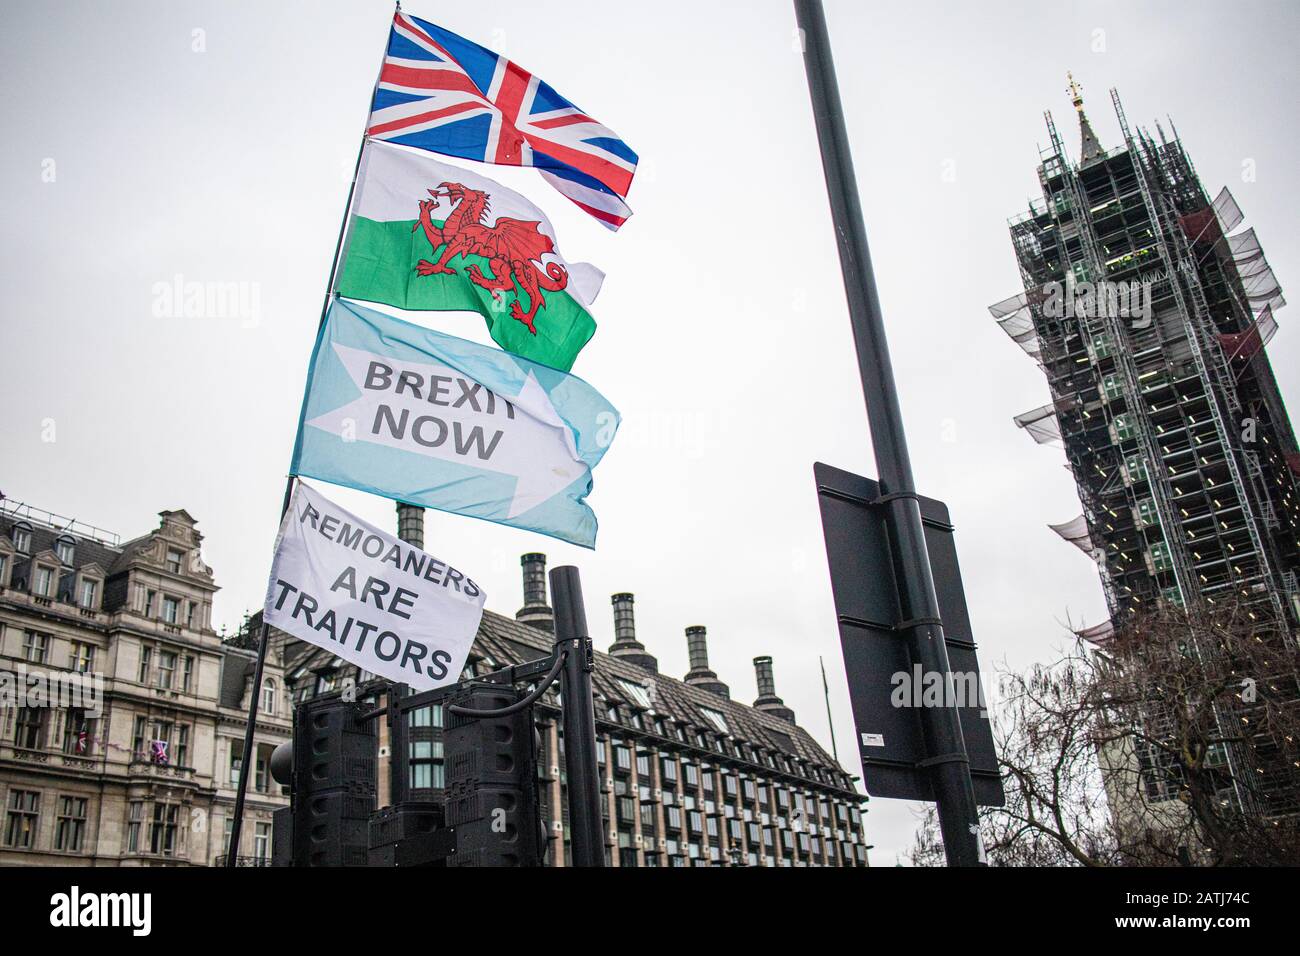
[241,791]
[826,690]
[949,765]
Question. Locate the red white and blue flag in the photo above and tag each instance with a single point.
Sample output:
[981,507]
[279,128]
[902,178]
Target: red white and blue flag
[441,92]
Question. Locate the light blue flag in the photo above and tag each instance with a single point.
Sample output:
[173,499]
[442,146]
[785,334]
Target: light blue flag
[402,411]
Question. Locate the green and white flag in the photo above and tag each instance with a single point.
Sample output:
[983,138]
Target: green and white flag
[425,235]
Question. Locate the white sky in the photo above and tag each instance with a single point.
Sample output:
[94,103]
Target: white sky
[723,336]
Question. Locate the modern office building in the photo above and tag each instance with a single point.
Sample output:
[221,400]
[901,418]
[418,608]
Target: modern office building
[1148,310]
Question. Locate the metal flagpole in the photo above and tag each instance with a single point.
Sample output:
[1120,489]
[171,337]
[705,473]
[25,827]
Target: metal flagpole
[242,789]
[826,692]
[949,764]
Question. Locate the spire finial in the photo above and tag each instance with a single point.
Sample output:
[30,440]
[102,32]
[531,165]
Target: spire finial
[1075,91]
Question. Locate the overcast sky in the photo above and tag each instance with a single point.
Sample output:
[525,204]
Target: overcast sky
[213,141]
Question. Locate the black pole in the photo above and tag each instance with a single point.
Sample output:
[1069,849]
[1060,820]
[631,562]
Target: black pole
[579,717]
[950,766]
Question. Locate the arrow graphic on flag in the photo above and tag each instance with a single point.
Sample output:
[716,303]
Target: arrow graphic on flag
[437,411]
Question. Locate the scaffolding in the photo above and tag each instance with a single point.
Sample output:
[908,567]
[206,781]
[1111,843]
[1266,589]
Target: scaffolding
[1171,421]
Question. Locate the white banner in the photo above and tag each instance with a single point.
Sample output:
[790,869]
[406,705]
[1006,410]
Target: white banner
[340,583]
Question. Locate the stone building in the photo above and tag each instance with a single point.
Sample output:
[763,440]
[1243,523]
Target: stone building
[135,763]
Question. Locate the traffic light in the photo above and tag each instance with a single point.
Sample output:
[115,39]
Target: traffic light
[491,782]
[334,778]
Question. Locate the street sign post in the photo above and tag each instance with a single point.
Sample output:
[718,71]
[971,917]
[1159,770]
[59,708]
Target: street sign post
[888,687]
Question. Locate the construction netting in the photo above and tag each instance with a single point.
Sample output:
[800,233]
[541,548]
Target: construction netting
[1243,345]
[1014,318]
[1214,221]
[1257,276]
[1098,633]
[1042,423]
[1075,531]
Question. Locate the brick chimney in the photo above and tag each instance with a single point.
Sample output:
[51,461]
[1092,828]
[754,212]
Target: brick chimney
[626,647]
[410,524]
[767,700]
[535,612]
[699,675]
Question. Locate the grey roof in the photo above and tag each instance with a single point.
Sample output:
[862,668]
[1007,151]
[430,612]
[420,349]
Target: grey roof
[86,550]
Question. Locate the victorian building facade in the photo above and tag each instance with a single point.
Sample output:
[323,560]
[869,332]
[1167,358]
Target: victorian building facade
[122,713]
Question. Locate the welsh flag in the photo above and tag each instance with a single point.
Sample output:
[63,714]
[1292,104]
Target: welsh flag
[425,235]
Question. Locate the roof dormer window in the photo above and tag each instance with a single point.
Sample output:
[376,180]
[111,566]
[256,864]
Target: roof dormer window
[22,537]
[65,549]
[174,560]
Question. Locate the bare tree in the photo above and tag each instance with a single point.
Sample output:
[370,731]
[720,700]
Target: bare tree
[1175,741]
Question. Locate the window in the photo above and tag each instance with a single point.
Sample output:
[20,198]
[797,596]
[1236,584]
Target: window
[134,817]
[146,661]
[183,745]
[668,769]
[44,582]
[691,773]
[1111,387]
[29,731]
[1135,468]
[1100,346]
[430,716]
[236,761]
[638,693]
[716,718]
[70,831]
[22,540]
[138,749]
[1123,428]
[1160,559]
[171,608]
[149,598]
[162,833]
[174,559]
[166,669]
[65,550]
[89,593]
[1146,509]
[77,732]
[187,673]
[36,647]
[259,772]
[24,809]
[189,613]
[262,842]
[268,698]
[426,765]
[4,566]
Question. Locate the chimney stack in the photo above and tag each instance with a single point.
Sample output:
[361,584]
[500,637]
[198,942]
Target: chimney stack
[410,524]
[535,612]
[767,700]
[626,647]
[699,675]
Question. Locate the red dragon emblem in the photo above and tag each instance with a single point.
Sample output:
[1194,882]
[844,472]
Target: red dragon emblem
[513,249]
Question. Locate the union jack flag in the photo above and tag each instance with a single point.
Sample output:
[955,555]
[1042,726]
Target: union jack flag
[441,92]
